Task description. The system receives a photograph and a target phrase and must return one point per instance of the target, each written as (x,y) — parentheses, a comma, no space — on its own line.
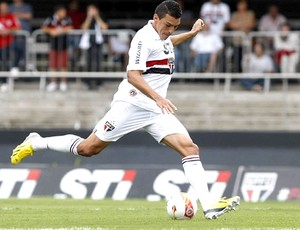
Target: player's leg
(168,130)
(192,165)
(109,129)
(195,174)
(66,143)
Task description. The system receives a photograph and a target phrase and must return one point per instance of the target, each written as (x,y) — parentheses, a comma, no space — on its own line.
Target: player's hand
(166,106)
(198,25)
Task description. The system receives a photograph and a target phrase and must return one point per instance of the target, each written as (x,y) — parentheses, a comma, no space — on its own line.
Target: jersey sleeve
(138,53)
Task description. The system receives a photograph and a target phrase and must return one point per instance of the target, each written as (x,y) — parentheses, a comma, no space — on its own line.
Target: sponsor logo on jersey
(138,52)
(109,126)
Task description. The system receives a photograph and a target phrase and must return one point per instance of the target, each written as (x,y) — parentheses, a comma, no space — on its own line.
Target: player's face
(165,26)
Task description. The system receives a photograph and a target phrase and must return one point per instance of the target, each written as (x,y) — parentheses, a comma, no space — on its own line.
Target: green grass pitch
(138,214)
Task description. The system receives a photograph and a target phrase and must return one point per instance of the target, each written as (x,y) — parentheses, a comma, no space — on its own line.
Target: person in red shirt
(57,26)
(77,16)
(8,24)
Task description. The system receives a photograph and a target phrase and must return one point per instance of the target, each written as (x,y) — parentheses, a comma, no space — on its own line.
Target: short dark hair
(170,7)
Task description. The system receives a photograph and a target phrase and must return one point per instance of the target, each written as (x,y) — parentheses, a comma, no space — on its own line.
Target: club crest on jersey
(109,126)
(171,63)
(132,92)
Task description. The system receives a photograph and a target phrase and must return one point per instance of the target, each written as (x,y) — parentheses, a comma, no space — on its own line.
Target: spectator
(206,47)
(8,24)
(272,20)
(93,42)
(23,11)
(77,16)
(256,62)
(57,27)
(118,48)
(242,20)
(286,45)
(217,14)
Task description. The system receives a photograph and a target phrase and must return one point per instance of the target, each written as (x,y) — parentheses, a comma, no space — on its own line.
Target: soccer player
(140,102)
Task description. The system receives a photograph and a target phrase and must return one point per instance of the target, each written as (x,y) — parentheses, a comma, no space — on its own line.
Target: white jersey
(206,42)
(254,64)
(216,15)
(155,58)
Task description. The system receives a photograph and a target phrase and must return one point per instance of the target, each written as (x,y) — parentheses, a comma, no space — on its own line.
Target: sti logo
(172,180)
(258,186)
(78,183)
(11,178)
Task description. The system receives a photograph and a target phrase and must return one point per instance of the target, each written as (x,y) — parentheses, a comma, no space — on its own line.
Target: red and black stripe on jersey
(157,69)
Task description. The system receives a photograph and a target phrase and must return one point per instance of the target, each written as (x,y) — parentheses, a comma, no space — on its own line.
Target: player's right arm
(139,52)
(135,78)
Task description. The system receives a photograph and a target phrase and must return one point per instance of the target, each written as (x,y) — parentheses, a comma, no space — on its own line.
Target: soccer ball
(181,207)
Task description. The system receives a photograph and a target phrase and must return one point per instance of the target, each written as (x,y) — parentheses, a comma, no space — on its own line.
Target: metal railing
(36,59)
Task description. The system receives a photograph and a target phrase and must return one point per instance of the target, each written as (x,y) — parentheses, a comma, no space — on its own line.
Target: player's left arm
(179,38)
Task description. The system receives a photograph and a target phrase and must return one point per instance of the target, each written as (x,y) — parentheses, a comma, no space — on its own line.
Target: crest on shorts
(132,92)
(109,126)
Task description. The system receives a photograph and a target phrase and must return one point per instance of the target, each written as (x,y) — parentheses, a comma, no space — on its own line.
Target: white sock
(66,143)
(195,174)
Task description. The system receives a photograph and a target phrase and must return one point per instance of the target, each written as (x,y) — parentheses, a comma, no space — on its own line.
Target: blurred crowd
(274,49)
(212,50)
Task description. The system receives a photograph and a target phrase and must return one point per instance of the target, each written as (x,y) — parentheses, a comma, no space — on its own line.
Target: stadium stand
(223,105)
(200,107)
(141,10)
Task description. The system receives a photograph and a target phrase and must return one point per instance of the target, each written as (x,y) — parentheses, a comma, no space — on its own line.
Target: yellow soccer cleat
(24,149)
(224,205)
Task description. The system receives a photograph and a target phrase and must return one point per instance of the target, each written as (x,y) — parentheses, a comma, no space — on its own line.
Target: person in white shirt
(256,62)
(286,44)
(217,14)
(205,56)
(141,102)
(272,20)
(93,43)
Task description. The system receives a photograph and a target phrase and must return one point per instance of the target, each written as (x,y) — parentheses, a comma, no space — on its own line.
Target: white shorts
(124,118)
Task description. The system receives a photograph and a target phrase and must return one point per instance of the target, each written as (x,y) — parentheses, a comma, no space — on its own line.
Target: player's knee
(88,151)
(191,149)
(195,149)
